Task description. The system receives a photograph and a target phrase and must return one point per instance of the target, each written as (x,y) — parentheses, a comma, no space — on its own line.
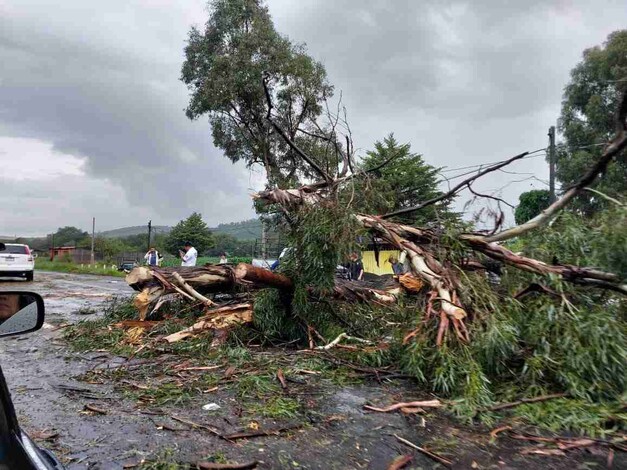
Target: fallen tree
(420,245)
(442,323)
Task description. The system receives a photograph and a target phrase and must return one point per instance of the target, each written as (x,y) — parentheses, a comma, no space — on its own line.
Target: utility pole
(93,236)
(149,233)
(264,242)
(52,251)
(552,164)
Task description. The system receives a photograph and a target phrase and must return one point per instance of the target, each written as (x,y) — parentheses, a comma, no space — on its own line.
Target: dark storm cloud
(113,97)
(464,82)
(440,56)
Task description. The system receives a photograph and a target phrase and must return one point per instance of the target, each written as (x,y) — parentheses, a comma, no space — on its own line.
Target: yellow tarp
(370,264)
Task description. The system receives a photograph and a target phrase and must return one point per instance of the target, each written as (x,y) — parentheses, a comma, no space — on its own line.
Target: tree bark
(153,283)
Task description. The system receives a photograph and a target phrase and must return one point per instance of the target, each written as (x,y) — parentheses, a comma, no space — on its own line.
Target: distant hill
(244,230)
(137,230)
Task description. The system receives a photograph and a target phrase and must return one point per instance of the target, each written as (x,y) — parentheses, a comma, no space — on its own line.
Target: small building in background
(71,253)
(369,257)
(60,252)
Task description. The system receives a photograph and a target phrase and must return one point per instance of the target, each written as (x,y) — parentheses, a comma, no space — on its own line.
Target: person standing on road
(189,255)
(152,257)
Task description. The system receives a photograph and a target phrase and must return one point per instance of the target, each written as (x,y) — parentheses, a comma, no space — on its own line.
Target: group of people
(188,255)
(356,267)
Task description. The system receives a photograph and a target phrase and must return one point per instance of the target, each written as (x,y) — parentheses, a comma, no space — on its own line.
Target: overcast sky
(91,106)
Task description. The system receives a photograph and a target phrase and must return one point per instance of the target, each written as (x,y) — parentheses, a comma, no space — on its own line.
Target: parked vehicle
(127,265)
(20,312)
(16,260)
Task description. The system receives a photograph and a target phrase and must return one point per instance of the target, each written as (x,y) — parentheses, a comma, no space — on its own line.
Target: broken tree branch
(340,337)
(191,291)
(411,404)
(455,189)
(614,147)
(505,406)
(287,139)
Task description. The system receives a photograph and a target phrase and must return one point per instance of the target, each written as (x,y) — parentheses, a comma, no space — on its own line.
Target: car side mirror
(20,312)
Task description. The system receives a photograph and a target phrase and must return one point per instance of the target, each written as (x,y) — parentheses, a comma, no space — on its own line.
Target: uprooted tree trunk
(194,282)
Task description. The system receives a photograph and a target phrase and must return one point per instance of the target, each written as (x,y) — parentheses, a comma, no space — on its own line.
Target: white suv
(16,260)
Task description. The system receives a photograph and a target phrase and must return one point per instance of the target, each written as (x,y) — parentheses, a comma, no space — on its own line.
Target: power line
(533,154)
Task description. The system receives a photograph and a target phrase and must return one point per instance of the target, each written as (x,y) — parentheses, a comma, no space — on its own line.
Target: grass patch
(256,386)
(165,460)
(276,407)
(70,267)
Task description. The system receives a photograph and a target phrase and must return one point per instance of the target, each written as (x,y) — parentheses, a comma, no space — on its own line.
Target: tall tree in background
(225,69)
(194,230)
(587,119)
(69,236)
(531,203)
(404,182)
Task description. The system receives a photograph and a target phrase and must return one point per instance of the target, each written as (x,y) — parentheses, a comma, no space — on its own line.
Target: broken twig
(259,433)
(400,462)
(213,431)
(444,461)
(409,405)
(226,466)
(522,401)
(95,409)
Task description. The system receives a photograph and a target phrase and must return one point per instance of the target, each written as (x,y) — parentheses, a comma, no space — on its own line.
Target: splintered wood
(218,320)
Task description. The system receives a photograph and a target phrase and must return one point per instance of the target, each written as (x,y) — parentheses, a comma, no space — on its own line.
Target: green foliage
(272,317)
(225,243)
(404,182)
(192,229)
(225,68)
(321,237)
(531,203)
(107,247)
(88,335)
(608,234)
(574,415)
(68,236)
(139,242)
(164,460)
(599,241)
(244,230)
(588,109)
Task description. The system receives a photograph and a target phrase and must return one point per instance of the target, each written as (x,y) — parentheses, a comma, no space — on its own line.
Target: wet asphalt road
(42,374)
(38,365)
(64,294)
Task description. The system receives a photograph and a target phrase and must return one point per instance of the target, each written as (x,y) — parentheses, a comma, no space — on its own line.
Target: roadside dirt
(52,386)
